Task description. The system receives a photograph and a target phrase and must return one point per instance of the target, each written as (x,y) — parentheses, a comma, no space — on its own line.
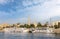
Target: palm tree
(39,25)
(32,26)
(26,26)
(46,24)
(18,25)
(21,26)
(13,25)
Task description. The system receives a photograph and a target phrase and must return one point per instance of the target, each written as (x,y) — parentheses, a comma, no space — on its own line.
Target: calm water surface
(29,36)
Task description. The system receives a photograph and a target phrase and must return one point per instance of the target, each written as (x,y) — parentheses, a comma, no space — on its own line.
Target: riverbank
(19,29)
(57,31)
(1,30)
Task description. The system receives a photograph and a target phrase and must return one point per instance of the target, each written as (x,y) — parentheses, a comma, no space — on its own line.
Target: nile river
(29,36)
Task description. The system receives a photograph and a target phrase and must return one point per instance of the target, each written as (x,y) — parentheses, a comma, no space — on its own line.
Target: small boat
(29,31)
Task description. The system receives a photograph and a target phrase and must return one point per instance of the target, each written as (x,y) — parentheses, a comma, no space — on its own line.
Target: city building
(56,23)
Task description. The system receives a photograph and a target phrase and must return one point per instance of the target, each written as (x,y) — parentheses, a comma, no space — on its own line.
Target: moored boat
(15,31)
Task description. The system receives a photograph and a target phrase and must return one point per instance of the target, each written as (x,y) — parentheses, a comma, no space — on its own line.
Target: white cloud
(47,10)
(26,3)
(3,2)
(53,8)
(32,2)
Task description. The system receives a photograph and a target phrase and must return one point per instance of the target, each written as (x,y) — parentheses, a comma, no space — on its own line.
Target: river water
(29,36)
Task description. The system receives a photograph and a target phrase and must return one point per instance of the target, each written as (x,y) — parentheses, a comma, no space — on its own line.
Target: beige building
(55,23)
(4,25)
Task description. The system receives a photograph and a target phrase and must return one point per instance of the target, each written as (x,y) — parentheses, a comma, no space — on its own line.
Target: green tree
(46,24)
(39,25)
(32,26)
(18,23)
(21,26)
(26,26)
(56,26)
(8,26)
(13,25)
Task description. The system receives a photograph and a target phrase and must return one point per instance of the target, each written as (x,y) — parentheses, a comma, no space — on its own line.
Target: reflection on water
(29,36)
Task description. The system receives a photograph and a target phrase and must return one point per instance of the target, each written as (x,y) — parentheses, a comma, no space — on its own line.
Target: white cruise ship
(15,30)
(43,30)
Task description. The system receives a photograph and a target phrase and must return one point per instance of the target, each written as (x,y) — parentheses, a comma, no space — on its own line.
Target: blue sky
(13,11)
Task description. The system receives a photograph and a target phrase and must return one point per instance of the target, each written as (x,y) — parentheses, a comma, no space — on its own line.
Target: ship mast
(29,20)
(50,21)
